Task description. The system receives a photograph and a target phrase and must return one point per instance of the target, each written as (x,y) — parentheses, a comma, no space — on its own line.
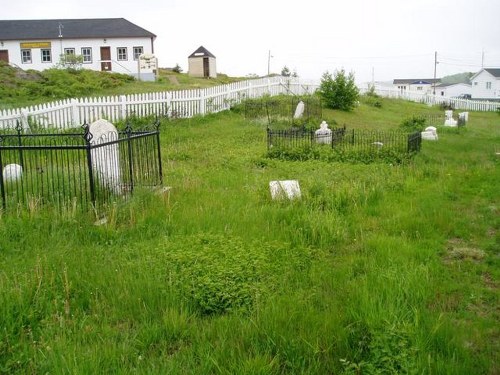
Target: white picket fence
(429,99)
(174,104)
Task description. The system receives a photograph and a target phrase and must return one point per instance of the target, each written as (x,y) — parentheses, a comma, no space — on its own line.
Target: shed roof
(71,29)
(495,72)
(201,52)
(417,81)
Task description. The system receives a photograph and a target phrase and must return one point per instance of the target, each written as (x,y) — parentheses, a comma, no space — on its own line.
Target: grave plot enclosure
(77,169)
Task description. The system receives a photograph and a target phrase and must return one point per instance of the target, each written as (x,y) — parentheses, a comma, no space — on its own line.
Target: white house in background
(450,90)
(486,84)
(425,86)
(106,44)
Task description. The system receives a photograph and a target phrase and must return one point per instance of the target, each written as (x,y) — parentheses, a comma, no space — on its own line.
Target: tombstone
(299,111)
(429,134)
(285,189)
(463,117)
(12,172)
(105,159)
(378,144)
(323,134)
(449,121)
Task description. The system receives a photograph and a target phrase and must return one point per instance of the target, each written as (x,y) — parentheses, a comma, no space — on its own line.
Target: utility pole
(435,65)
(482,58)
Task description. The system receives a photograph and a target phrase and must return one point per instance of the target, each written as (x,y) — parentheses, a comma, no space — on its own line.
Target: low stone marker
(299,111)
(285,189)
(12,172)
(378,144)
(430,134)
(449,121)
(106,159)
(323,134)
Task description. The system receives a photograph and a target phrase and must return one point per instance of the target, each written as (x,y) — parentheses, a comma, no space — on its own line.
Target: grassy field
(379,268)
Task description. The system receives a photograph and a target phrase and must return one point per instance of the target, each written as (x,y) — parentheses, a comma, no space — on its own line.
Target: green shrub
(339,91)
(413,123)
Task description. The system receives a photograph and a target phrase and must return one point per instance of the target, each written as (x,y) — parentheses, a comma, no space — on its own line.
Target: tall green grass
(378,268)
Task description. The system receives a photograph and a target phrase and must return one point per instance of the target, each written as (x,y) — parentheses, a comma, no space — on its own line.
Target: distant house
(107,44)
(421,85)
(202,64)
(450,90)
(486,84)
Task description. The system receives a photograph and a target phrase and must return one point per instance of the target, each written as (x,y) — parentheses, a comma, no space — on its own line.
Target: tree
(285,72)
(177,69)
(70,61)
(339,91)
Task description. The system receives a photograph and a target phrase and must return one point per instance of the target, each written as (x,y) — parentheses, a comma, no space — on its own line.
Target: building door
(206,67)
(4,55)
(106,59)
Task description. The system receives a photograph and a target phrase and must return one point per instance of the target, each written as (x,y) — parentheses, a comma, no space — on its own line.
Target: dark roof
(417,81)
(72,28)
(494,72)
(201,52)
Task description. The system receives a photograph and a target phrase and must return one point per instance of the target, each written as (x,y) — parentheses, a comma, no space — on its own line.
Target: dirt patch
(459,250)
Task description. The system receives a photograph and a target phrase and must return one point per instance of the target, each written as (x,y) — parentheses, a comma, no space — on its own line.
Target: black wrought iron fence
(363,141)
(76,169)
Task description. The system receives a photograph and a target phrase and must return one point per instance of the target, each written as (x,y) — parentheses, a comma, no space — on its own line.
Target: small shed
(202,64)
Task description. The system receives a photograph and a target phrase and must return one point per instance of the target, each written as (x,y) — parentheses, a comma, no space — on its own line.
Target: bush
(339,91)
(414,123)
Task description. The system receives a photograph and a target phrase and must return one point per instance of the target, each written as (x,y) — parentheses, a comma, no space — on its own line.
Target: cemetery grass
(379,268)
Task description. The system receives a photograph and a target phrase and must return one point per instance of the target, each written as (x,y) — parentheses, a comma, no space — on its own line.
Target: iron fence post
(2,186)
(19,130)
(160,171)
(128,132)
(87,136)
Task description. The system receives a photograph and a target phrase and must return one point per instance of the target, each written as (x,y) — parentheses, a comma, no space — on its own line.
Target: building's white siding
(454,90)
(196,67)
(420,87)
(126,63)
(485,86)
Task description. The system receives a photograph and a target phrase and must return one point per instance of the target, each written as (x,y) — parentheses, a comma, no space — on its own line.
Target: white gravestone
(449,121)
(106,159)
(323,134)
(430,134)
(378,144)
(12,172)
(464,117)
(299,111)
(285,189)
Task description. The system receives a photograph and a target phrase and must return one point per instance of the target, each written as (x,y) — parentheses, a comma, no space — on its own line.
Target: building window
(488,85)
(475,83)
(46,55)
(26,56)
(137,52)
(122,53)
(87,55)
(419,88)
(69,51)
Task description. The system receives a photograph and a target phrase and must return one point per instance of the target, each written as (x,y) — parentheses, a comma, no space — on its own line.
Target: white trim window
(26,56)
(121,53)
(488,85)
(138,51)
(46,55)
(69,51)
(87,55)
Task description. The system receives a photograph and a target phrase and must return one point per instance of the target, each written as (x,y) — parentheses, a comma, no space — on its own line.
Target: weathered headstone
(323,134)
(299,111)
(106,158)
(430,134)
(12,172)
(284,189)
(378,144)
(449,121)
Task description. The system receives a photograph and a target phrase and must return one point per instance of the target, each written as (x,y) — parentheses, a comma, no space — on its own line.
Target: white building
(110,44)
(451,90)
(424,86)
(486,84)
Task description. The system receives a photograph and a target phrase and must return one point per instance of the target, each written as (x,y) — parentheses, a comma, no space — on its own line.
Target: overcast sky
(387,38)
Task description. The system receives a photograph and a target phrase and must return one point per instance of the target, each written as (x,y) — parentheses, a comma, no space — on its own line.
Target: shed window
(122,53)
(488,85)
(26,56)
(138,51)
(46,55)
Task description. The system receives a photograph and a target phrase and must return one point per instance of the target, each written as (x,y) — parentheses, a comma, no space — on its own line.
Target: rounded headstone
(12,172)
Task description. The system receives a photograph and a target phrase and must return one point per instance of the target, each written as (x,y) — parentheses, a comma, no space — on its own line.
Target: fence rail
(71,113)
